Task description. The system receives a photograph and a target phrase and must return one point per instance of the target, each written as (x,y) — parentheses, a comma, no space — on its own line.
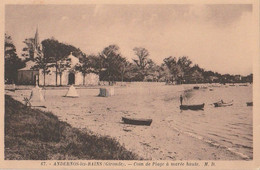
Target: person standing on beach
(181,99)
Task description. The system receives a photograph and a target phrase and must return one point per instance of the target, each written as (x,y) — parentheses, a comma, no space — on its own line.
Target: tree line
(111,65)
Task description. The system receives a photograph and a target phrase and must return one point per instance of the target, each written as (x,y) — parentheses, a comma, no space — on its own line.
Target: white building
(69,76)
(27,75)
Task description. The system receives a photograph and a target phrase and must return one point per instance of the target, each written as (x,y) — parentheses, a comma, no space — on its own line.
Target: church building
(28,75)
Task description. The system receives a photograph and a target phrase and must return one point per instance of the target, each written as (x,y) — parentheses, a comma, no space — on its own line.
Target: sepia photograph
(145,85)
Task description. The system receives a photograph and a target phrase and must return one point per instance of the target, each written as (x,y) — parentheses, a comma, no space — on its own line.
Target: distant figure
(181,99)
(37,80)
(13,84)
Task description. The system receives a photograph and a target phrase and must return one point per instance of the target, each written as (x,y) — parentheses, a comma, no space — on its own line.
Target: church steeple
(36,40)
(36,43)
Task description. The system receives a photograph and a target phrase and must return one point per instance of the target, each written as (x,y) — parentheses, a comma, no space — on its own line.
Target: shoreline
(32,134)
(117,85)
(102,116)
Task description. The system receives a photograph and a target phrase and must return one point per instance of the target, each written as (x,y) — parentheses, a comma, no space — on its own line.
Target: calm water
(227,127)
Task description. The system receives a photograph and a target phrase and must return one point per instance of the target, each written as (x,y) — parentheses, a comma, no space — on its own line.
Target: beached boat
(243,85)
(196,87)
(249,103)
(145,122)
(223,104)
(192,107)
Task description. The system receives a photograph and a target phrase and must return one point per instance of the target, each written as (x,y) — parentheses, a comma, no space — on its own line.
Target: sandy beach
(173,134)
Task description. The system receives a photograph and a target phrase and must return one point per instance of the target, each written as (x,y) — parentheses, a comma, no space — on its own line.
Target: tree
(152,71)
(142,55)
(175,69)
(123,67)
(41,62)
(142,61)
(29,49)
(12,61)
(62,65)
(87,66)
(195,74)
(56,51)
(97,63)
(249,78)
(164,73)
(117,67)
(113,63)
(208,76)
(185,64)
(130,72)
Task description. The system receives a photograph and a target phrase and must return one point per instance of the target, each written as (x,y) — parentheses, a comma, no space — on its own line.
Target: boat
(216,85)
(196,87)
(132,121)
(223,104)
(192,107)
(249,103)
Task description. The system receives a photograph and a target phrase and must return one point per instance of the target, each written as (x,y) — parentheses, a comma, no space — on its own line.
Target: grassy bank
(31,134)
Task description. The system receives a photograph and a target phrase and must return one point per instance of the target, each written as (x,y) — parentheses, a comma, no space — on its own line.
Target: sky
(216,37)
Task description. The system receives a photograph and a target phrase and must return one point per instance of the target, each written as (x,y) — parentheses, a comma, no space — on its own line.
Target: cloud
(227,14)
(208,34)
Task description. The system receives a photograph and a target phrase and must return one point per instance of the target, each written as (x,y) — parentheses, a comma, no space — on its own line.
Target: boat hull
(196,87)
(192,107)
(143,122)
(219,104)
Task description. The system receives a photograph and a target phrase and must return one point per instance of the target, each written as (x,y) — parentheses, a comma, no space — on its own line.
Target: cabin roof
(28,65)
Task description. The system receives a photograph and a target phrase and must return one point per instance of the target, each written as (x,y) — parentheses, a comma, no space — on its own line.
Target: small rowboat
(216,85)
(249,103)
(196,87)
(243,85)
(144,122)
(192,107)
(223,104)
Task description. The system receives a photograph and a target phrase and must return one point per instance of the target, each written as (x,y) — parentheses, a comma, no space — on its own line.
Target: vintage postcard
(130,84)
